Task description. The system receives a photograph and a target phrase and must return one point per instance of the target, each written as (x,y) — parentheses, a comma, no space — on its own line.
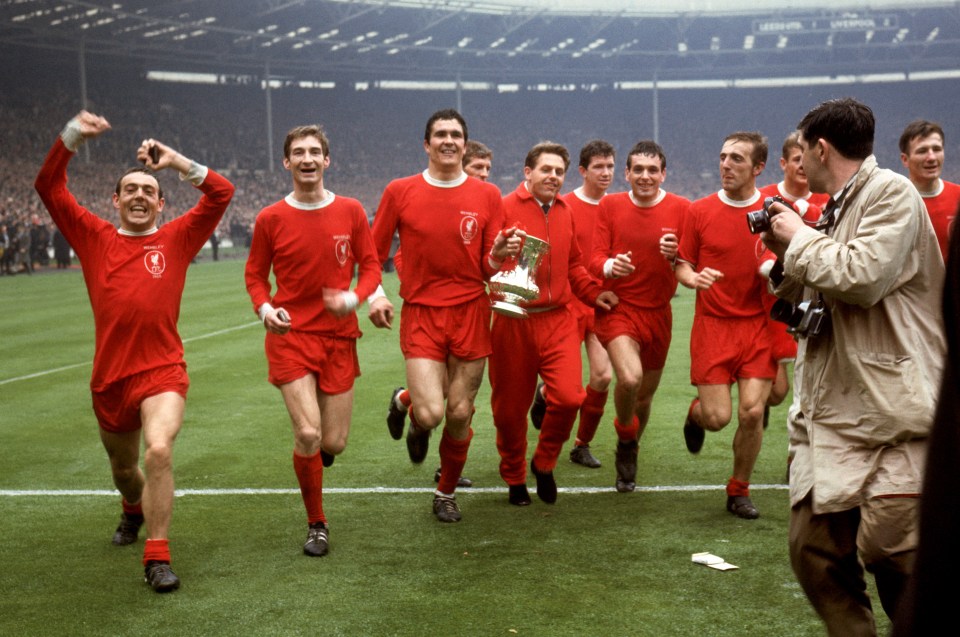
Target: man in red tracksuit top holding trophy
(546,342)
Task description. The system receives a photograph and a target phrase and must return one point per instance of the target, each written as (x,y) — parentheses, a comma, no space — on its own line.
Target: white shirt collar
(440,183)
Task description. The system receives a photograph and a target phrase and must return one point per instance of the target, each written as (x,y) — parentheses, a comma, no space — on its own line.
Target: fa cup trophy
(517,286)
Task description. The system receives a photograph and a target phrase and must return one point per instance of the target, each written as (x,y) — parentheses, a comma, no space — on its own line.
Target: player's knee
(750,416)
(429,416)
(714,420)
(158,455)
(123,473)
(334,445)
(601,380)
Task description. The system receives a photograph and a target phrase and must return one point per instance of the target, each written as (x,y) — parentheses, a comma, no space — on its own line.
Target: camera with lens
(759,220)
(804,319)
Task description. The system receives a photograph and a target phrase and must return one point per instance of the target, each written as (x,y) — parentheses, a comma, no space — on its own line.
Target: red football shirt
(623,226)
(135,282)
(715,235)
(312,247)
(447,230)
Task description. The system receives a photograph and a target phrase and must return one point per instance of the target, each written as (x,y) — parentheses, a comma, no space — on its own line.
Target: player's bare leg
(591,411)
(753,393)
(464,383)
(123,451)
(710,411)
(162,417)
(320,424)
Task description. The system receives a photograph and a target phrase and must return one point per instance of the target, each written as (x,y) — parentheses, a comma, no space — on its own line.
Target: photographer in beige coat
(871,347)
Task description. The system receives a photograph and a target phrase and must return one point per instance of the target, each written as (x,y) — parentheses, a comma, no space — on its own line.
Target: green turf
(596,563)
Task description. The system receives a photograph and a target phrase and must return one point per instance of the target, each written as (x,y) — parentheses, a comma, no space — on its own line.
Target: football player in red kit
(546,341)
(313,240)
(452,237)
(728,342)
(596,169)
(921,151)
(135,277)
(634,249)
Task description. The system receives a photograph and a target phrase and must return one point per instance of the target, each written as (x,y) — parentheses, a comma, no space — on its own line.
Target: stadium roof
(545,40)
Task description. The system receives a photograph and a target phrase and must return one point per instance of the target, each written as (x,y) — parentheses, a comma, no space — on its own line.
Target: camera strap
(830,213)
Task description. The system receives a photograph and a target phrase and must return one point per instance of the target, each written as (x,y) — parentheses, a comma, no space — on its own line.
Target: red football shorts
(333,361)
(783,345)
(118,406)
(435,333)
(723,350)
(585,318)
(651,329)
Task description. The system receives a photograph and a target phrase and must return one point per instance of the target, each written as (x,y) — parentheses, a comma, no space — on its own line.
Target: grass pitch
(596,563)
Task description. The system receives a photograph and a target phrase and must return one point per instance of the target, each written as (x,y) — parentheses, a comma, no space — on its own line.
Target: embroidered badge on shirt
(155,263)
(468,226)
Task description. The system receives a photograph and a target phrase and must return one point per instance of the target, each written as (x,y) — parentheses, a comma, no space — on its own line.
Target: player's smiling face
(924,160)
(138,202)
(645,176)
(306,161)
(445,146)
(546,178)
(599,172)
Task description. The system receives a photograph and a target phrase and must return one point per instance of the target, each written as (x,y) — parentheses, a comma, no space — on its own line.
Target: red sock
(591,412)
(156,551)
(453,455)
(309,470)
(628,433)
(737,487)
(404,398)
(131,509)
(693,403)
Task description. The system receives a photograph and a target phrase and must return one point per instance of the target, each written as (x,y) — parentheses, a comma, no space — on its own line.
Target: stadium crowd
(371,134)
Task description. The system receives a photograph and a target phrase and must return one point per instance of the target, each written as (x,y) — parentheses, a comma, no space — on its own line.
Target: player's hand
(339,302)
(508,243)
(607,300)
(277,321)
(706,278)
(156,156)
(381,312)
(91,125)
(622,265)
(669,244)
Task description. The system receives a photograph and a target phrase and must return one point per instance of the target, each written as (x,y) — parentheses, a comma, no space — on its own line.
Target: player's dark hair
(447,113)
(846,123)
(649,148)
(310,130)
(759,142)
(919,128)
(595,148)
(550,148)
(139,169)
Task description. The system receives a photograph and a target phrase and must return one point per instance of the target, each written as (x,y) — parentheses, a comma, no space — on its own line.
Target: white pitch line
(55,370)
(18,493)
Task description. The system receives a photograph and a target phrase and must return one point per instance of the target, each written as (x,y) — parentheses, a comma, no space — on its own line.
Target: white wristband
(608,268)
(195,175)
(378,293)
(72,136)
(265,309)
(350,300)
